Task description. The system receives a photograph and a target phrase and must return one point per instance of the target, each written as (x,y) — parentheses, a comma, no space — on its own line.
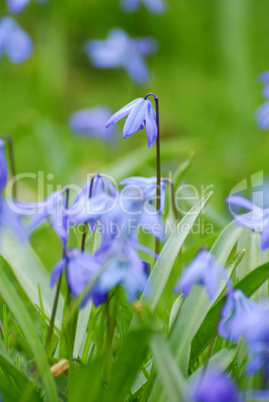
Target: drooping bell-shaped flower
(235,309)
(205,270)
(119,50)
(254,328)
(214,386)
(148,186)
(14,41)
(257,219)
(16,6)
(80,268)
(141,114)
(92,123)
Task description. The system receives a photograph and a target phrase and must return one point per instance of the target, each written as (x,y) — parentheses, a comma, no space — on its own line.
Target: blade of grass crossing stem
(164,264)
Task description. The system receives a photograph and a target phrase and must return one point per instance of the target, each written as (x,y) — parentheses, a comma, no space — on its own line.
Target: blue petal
(122,112)
(57,270)
(135,119)
(241,202)
(151,125)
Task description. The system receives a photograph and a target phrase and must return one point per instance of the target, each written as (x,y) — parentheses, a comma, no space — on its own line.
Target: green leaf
(30,272)
(226,241)
(220,361)
(14,381)
(81,329)
(163,267)
(21,315)
(129,359)
(248,285)
(172,380)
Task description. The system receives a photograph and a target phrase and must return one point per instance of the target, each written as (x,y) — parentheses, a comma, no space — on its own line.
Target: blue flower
(141,113)
(254,327)
(96,197)
(262,115)
(53,209)
(14,41)
(81,268)
(16,6)
(156,6)
(257,220)
(119,50)
(204,269)
(264,79)
(123,266)
(92,122)
(148,186)
(235,310)
(214,386)
(9,215)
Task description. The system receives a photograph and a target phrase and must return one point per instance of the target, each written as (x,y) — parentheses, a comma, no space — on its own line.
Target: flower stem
(111,325)
(158,165)
(158,171)
(56,299)
(12,162)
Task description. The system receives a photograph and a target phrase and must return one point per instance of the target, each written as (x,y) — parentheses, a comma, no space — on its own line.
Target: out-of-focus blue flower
(148,186)
(235,310)
(53,208)
(124,266)
(215,386)
(155,6)
(16,6)
(254,327)
(14,41)
(119,50)
(204,269)
(9,218)
(92,122)
(257,220)
(80,270)
(262,115)
(264,79)
(141,113)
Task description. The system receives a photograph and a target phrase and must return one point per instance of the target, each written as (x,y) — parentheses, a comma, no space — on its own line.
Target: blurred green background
(205,74)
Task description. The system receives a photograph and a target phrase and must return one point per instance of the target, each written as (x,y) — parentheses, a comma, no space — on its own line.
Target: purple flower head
(148,186)
(204,269)
(257,220)
(235,310)
(96,197)
(215,386)
(81,268)
(3,166)
(53,208)
(140,113)
(124,266)
(92,122)
(155,6)
(119,50)
(254,327)
(14,41)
